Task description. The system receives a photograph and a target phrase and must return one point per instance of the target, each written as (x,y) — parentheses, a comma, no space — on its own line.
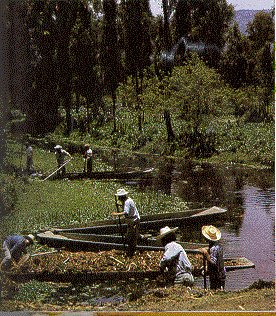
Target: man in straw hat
(174,261)
(87,158)
(14,247)
(60,155)
(132,218)
(214,257)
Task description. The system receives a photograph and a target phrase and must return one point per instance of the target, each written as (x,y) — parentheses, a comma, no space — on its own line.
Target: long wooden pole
(120,225)
(49,170)
(56,170)
(205,273)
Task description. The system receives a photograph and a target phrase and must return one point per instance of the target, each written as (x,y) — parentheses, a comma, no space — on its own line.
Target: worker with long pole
(132,218)
(120,225)
(60,156)
(62,166)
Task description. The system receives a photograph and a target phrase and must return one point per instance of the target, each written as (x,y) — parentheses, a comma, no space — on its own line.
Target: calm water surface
(247,194)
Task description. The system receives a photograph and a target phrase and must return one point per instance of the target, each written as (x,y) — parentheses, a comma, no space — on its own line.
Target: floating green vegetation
(41,205)
(33,291)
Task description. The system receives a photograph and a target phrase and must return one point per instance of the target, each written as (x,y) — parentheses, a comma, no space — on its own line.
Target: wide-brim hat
(31,238)
(121,192)
(211,233)
(57,147)
(165,231)
(86,145)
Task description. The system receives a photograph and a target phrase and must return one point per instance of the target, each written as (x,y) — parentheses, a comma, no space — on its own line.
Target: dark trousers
(29,164)
(61,171)
(132,237)
(216,283)
(89,165)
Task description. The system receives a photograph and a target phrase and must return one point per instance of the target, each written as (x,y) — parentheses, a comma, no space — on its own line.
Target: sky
(238,5)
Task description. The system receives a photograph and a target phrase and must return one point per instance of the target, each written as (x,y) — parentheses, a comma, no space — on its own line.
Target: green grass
(40,205)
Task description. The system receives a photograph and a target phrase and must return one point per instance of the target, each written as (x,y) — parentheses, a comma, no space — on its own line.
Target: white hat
(211,233)
(57,147)
(31,238)
(121,192)
(165,231)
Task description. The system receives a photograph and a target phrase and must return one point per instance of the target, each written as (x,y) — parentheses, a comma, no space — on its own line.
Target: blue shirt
(217,269)
(16,245)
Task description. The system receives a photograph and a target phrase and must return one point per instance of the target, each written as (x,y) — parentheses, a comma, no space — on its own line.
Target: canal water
(247,193)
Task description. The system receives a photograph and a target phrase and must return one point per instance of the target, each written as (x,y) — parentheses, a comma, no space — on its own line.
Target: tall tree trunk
(114,110)
(167,33)
(67,102)
(170,133)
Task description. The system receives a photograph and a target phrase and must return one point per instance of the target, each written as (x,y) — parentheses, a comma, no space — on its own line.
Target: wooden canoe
(148,222)
(96,237)
(93,243)
(106,175)
(89,277)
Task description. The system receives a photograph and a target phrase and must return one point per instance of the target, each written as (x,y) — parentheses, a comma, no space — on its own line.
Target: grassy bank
(49,297)
(233,141)
(42,204)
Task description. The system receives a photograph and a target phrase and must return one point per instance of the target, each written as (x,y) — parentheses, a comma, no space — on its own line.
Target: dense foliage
(86,64)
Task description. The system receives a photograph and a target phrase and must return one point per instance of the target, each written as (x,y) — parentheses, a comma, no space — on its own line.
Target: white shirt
(88,153)
(130,210)
(29,151)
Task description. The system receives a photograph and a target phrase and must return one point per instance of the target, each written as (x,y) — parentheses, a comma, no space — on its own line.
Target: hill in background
(243,17)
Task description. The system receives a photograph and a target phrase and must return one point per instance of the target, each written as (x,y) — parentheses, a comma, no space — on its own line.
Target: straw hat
(121,192)
(31,238)
(211,233)
(57,147)
(86,145)
(165,231)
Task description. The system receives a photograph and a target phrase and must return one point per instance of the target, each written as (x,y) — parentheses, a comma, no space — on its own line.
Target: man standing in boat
(60,155)
(214,256)
(132,218)
(87,158)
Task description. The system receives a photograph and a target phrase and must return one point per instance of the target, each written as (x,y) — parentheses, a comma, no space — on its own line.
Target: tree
(17,55)
(166,27)
(66,13)
(266,76)
(84,49)
(43,99)
(110,62)
(210,21)
(182,20)
(192,92)
(137,45)
(261,30)
(235,60)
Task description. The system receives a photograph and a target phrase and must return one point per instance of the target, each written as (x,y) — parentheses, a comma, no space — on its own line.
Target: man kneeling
(175,263)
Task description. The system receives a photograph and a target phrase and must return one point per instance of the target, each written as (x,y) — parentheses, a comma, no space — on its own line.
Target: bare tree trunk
(114,111)
(167,33)
(170,133)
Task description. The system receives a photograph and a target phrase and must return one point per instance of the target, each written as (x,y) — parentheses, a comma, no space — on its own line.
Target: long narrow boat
(106,175)
(98,235)
(89,277)
(92,242)
(186,218)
